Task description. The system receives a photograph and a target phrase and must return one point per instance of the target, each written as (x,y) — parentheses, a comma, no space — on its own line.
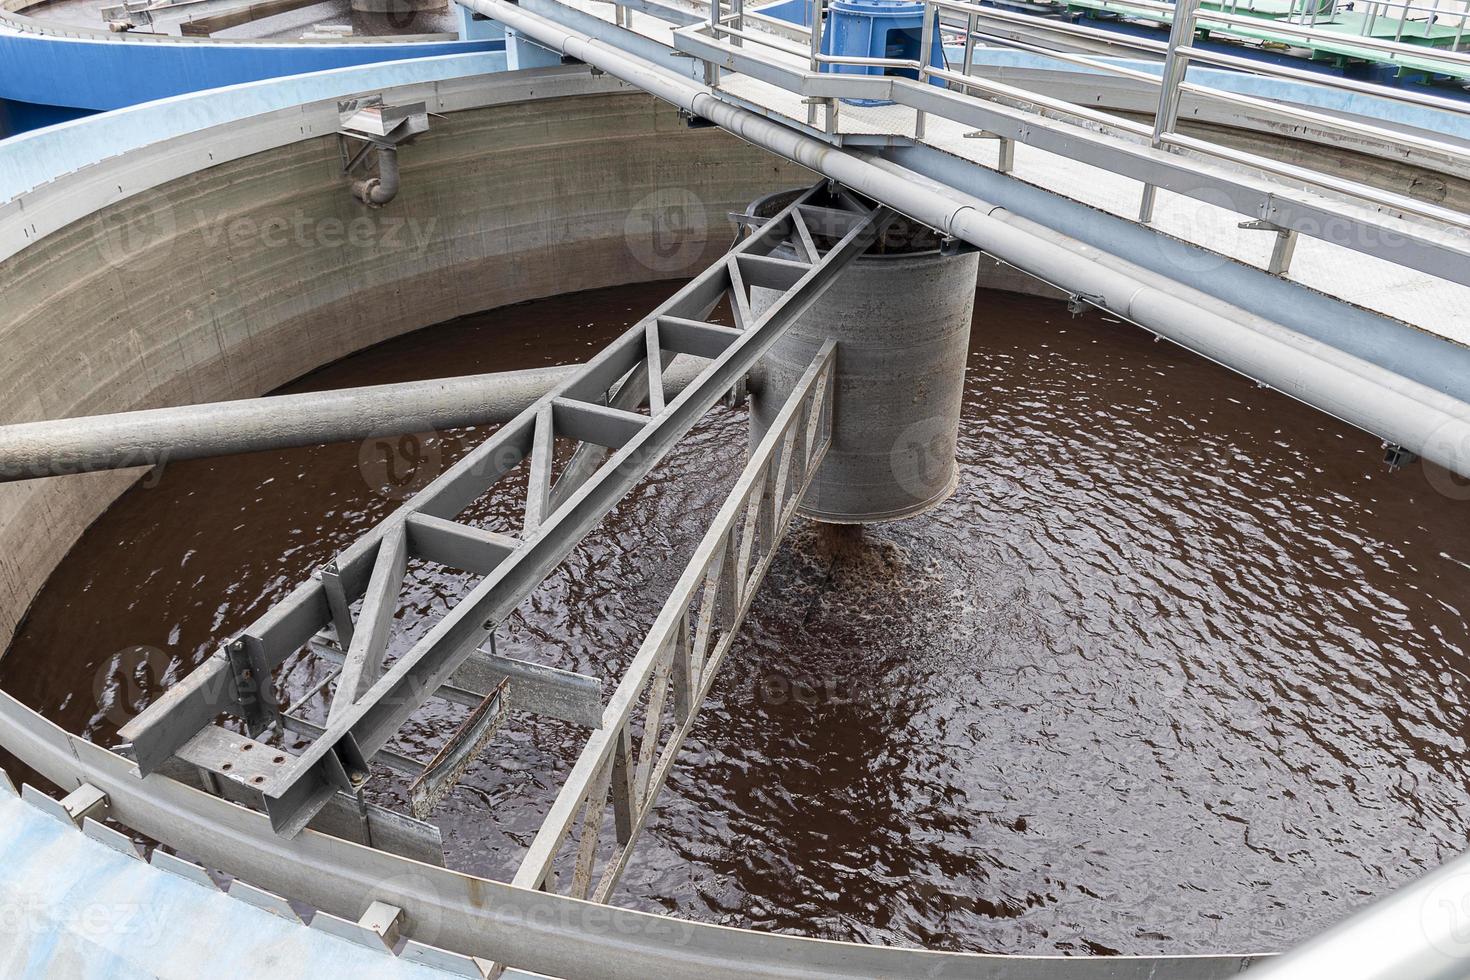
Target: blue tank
(878,29)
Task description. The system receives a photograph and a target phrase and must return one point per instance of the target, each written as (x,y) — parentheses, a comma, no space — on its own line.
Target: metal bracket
(252,683)
(366,122)
(1007,161)
(1077,303)
(693,121)
(1284,248)
(738,393)
(1396,457)
(747,220)
(951,246)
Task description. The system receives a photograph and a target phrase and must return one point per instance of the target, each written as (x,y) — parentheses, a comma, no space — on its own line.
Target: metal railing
(1441,230)
(1405,17)
(1305,32)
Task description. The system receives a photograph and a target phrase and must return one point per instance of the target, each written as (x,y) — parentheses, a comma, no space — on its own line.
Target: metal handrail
(1446,150)
(1412,96)
(1440,245)
(1180,53)
(1217,19)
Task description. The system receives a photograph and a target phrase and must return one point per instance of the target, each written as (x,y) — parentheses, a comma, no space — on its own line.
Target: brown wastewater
(1180,667)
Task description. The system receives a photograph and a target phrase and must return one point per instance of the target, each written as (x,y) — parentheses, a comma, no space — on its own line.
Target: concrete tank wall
(238,278)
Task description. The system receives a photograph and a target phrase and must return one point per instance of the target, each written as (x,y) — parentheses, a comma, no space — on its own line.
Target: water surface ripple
(1178,668)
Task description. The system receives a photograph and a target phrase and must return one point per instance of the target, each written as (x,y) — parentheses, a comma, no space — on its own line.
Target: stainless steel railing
(967,24)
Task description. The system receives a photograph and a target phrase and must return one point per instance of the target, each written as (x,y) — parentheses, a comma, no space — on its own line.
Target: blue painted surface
(109,73)
(78,908)
(866,29)
(34,158)
(791,11)
(477,27)
(17,117)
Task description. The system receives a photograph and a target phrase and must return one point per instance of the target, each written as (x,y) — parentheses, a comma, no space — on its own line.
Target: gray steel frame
(677,663)
(594,407)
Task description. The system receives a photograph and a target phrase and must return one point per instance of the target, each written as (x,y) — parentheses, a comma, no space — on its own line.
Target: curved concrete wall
(235,279)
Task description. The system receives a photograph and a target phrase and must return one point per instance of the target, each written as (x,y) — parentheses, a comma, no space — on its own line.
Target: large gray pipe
(58,447)
(1420,932)
(1390,406)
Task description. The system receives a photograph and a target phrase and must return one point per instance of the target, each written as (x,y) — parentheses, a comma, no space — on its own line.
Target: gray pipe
(378,191)
(30,450)
(1418,932)
(1390,406)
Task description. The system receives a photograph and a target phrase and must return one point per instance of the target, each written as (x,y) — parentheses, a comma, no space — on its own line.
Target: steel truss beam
(597,408)
(678,661)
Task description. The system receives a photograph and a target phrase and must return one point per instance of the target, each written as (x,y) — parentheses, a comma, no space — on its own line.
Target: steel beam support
(751,525)
(370,723)
(364,661)
(338,760)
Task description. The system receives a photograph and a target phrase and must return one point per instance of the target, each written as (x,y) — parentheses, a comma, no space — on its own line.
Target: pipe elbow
(382,189)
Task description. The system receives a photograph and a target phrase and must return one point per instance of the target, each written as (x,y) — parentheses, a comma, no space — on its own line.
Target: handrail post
(1176,64)
(712,70)
(970,25)
(926,52)
(816,65)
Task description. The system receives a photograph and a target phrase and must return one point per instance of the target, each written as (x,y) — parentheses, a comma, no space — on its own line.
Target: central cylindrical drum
(901,317)
(399,13)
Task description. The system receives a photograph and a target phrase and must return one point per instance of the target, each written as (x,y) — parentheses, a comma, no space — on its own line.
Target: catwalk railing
(1272,194)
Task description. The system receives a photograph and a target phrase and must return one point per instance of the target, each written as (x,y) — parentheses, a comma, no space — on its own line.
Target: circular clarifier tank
(900,315)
